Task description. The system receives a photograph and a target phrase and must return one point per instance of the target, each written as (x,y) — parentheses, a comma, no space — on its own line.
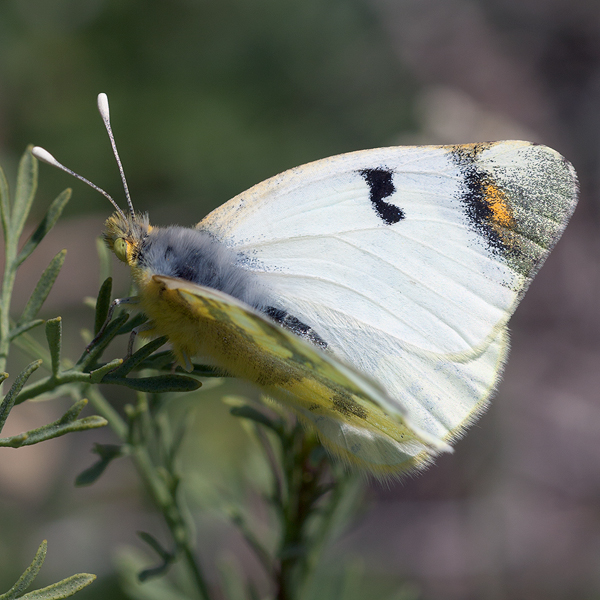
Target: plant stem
(156,482)
(302,483)
(166,501)
(194,568)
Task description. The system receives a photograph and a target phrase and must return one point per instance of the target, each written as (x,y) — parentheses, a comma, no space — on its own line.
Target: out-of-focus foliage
(207,98)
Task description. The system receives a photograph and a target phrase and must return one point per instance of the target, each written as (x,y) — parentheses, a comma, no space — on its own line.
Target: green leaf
(66,424)
(50,431)
(47,223)
(129,563)
(54,337)
(160,360)
(97,346)
(73,412)
(103,304)
(155,545)
(15,332)
(9,400)
(107,453)
(97,374)
(42,289)
(156,385)
(164,360)
(26,186)
(63,589)
(29,575)
(166,556)
(137,357)
(5,207)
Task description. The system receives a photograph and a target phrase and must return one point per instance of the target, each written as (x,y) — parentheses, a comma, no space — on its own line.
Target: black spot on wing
(473,197)
(296,326)
(381,186)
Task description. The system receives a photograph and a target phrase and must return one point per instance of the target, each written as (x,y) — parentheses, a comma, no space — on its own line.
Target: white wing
(408,261)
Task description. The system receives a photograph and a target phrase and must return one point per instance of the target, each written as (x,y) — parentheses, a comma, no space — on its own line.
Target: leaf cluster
(62,589)
(310,497)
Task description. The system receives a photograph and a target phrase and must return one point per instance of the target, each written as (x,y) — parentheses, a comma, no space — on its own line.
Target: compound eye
(120,248)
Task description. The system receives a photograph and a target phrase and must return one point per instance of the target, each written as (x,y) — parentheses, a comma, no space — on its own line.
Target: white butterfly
(370,291)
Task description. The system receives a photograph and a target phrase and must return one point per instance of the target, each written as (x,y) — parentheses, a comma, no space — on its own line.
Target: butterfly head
(125,234)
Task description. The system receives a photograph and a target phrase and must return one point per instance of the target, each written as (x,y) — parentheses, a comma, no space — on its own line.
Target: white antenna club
(105,114)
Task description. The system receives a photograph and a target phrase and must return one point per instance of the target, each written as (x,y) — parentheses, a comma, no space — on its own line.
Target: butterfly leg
(114,304)
(134,333)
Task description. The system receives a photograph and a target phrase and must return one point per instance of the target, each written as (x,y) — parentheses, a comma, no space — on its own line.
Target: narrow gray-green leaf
(164,360)
(97,346)
(17,331)
(155,545)
(63,589)
(9,399)
(42,289)
(26,186)
(103,304)
(157,385)
(107,453)
(167,558)
(5,207)
(97,374)
(74,411)
(51,431)
(54,337)
(29,575)
(47,223)
(140,355)
(160,360)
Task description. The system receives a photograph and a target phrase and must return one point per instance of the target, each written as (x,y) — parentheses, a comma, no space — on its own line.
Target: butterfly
(368,292)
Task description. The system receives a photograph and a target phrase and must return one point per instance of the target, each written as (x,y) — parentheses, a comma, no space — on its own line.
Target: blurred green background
(210,97)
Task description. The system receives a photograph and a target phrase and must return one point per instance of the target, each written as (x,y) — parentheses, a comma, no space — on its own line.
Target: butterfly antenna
(105,114)
(46,157)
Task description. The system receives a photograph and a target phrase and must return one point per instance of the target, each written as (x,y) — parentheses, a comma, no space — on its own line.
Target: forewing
(408,261)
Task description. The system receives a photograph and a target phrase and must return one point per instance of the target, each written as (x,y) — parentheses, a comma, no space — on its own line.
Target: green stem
(166,502)
(52,382)
(300,497)
(163,495)
(193,566)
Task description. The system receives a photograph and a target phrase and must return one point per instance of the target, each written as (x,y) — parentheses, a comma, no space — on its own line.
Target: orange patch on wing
(501,218)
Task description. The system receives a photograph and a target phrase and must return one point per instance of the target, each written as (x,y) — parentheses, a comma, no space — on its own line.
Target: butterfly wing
(407,262)
(344,405)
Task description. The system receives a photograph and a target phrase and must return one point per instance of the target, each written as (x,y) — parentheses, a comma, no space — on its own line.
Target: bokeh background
(209,97)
